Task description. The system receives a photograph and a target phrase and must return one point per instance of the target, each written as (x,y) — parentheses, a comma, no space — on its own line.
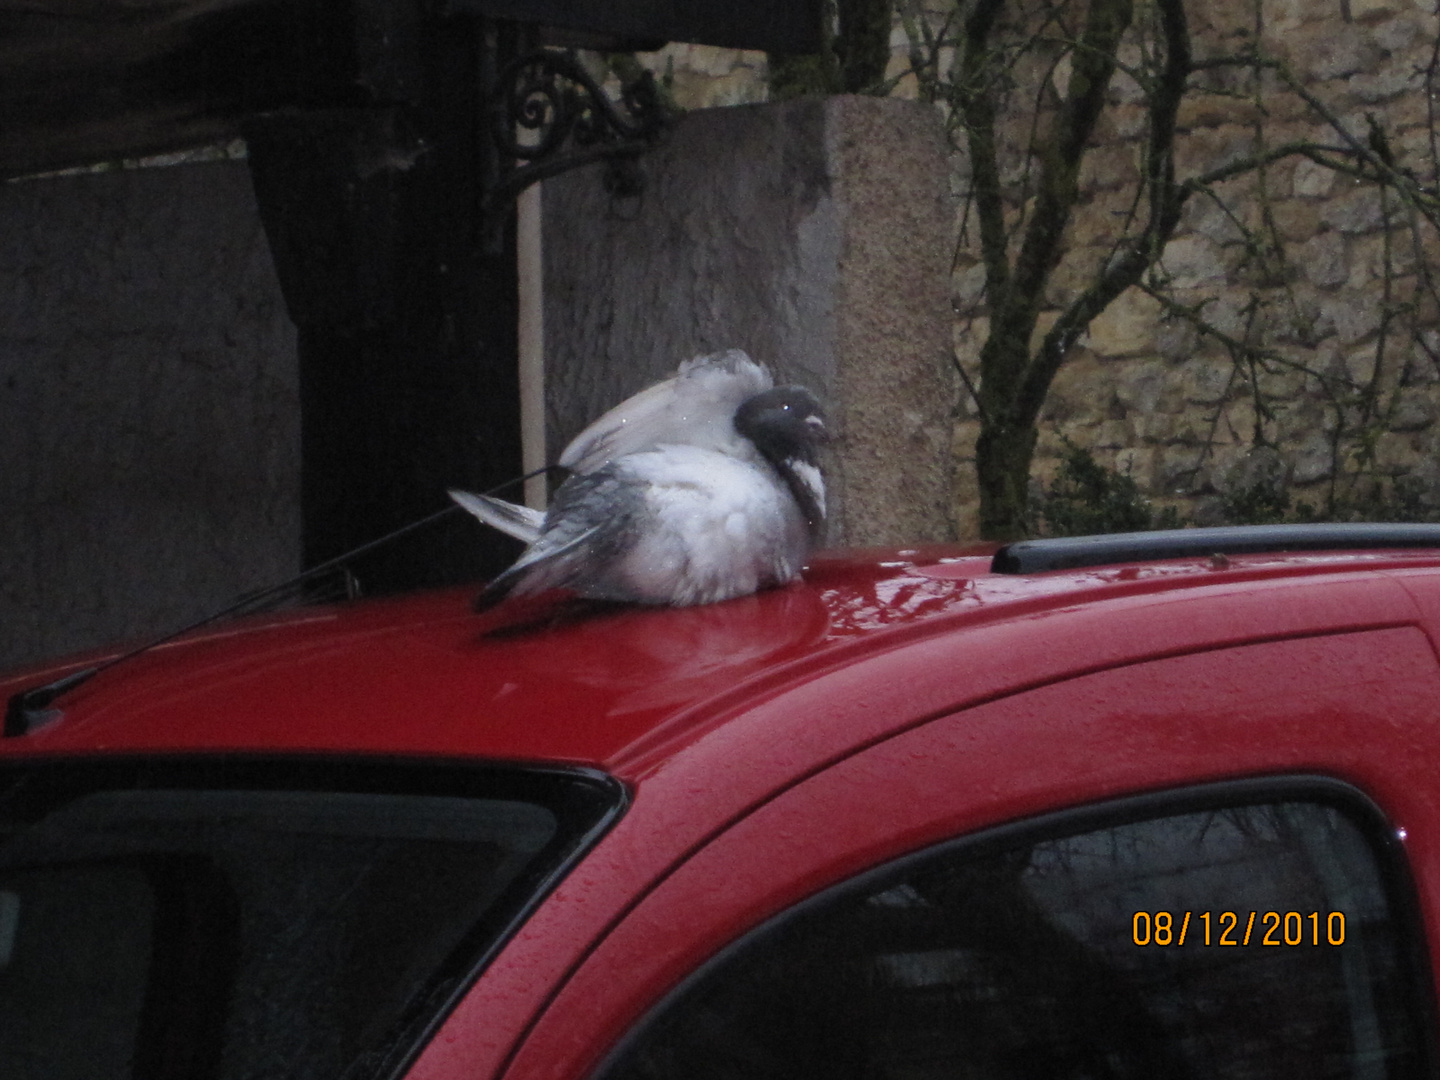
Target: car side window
(1206,937)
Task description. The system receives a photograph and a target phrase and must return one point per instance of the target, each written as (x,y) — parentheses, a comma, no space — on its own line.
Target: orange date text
(1221,928)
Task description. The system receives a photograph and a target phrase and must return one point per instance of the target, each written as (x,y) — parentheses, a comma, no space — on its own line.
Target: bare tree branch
(1167,199)
(978,108)
(1061,155)
(1023,222)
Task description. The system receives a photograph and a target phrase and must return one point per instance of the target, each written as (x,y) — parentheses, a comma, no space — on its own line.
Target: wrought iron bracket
(550,115)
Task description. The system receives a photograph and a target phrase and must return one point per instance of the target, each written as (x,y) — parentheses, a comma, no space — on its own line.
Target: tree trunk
(1002,459)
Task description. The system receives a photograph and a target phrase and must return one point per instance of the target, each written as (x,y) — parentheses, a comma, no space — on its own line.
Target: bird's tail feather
(535,571)
(510,518)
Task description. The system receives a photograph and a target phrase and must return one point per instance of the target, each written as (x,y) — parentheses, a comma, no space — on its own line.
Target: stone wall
(1178,410)
(1345,397)
(148,390)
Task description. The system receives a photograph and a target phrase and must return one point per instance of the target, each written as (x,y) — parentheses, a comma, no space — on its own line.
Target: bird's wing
(694,407)
(510,518)
(540,568)
(589,521)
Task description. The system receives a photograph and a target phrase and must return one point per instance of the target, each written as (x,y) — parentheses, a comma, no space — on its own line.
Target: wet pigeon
(700,488)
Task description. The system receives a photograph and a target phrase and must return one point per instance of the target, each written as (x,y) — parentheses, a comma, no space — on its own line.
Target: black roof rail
(1072,552)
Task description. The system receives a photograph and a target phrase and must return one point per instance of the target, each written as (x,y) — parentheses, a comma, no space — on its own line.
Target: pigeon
(703,487)
(695,407)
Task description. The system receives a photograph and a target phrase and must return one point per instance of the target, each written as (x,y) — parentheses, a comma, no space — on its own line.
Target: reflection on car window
(1061,956)
(154,925)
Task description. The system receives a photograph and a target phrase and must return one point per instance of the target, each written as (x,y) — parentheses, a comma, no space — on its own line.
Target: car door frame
(1279,708)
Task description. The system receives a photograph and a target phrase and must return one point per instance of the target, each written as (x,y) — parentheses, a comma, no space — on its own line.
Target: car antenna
(30,709)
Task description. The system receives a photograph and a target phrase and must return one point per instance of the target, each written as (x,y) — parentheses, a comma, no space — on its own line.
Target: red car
(1158,806)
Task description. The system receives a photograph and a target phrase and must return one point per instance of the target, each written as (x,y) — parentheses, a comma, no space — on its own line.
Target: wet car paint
(746,729)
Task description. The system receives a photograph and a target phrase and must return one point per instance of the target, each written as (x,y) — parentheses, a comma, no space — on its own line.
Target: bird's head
(787,426)
(787,422)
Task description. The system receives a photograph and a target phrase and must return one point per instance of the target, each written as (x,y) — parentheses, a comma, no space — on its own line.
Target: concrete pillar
(817,235)
(148,406)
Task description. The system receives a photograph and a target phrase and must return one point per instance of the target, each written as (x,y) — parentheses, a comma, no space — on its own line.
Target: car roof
(625,688)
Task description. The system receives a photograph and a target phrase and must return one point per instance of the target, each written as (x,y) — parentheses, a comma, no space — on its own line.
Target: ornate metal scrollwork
(551,116)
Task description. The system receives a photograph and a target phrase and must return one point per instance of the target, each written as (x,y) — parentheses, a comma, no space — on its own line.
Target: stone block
(1106,168)
(1126,327)
(1114,435)
(1177,339)
(965,497)
(1389,82)
(1205,149)
(1192,261)
(1279,383)
(1325,53)
(1284,17)
(1299,417)
(1295,219)
(1322,260)
(1145,388)
(1420,368)
(968,285)
(1081,392)
(1394,454)
(1220,459)
(1214,220)
(1313,179)
(1358,366)
(1229,310)
(1355,317)
(1396,33)
(1131,121)
(1093,223)
(1357,211)
(1201,110)
(1366,10)
(817,235)
(1125,90)
(1177,469)
(1222,17)
(1237,420)
(1312,459)
(1413,412)
(1208,380)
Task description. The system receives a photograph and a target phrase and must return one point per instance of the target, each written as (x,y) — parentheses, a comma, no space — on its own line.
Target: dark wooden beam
(83,81)
(406,313)
(87,82)
(788,26)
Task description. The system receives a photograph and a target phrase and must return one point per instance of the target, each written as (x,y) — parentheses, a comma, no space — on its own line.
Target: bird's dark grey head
(784,423)
(787,426)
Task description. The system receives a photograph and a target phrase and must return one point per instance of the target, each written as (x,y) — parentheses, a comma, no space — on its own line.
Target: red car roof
(625,689)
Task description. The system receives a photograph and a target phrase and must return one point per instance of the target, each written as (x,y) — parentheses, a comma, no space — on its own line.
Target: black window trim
(581,793)
(1394,870)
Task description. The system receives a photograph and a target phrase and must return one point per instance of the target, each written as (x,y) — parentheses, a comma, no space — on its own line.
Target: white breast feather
(721,527)
(811,477)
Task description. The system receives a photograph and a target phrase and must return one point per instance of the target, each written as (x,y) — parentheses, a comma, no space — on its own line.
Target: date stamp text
(1220,928)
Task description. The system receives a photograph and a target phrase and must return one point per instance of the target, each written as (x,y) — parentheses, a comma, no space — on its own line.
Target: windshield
(262,919)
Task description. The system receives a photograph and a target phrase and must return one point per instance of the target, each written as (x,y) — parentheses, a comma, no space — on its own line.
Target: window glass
(150,929)
(1049,952)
